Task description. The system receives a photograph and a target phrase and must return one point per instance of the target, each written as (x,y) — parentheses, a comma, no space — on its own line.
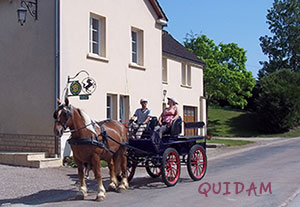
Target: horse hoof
(121,189)
(100,198)
(112,187)
(79,197)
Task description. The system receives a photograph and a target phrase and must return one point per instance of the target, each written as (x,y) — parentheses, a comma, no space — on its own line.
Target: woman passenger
(167,117)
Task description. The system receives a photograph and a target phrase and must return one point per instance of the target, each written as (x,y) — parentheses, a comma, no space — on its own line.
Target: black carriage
(164,158)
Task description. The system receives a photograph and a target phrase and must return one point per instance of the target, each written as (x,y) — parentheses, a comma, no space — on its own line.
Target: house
(122,46)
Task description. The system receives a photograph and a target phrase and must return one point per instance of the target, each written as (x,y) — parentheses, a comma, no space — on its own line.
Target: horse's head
(63,117)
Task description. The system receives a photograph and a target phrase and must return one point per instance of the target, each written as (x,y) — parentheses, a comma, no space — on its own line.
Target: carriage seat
(175,130)
(150,128)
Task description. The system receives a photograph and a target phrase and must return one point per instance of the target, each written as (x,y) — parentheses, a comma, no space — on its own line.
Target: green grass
(229,143)
(227,122)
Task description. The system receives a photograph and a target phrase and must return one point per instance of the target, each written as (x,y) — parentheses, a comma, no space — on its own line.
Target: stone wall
(28,143)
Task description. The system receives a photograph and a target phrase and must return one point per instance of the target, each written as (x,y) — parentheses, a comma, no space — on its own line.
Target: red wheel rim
(172,167)
(198,163)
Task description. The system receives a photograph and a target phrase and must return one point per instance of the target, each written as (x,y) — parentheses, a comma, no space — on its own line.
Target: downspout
(57,69)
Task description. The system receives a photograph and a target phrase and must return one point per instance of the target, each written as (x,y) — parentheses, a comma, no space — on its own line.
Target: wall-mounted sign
(89,85)
(75,88)
(83,86)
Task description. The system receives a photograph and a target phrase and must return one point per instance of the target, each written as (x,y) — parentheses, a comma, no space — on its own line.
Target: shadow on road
(45,196)
(55,195)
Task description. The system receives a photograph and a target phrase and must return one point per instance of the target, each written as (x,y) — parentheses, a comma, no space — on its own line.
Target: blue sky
(226,21)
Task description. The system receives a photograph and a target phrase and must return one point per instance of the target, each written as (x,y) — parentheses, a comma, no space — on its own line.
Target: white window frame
(164,70)
(101,35)
(109,107)
(186,75)
(139,47)
(135,50)
(112,106)
(123,108)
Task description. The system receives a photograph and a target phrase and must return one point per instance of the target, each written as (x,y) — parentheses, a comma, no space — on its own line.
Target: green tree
(225,75)
(277,105)
(283,48)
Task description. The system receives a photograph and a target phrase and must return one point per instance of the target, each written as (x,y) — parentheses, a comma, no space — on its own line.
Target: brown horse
(81,127)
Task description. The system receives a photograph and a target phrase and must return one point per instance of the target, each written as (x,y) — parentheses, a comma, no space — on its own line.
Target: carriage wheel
(170,167)
(197,162)
(152,170)
(130,170)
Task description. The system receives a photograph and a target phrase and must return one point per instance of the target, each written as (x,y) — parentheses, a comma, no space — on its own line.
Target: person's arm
(147,120)
(134,117)
(177,114)
(175,117)
(160,119)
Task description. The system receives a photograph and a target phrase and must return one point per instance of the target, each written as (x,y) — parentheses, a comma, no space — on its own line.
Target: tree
(225,75)
(283,48)
(277,105)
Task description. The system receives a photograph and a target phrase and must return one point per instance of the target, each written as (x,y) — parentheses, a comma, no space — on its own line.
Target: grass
(229,142)
(228,122)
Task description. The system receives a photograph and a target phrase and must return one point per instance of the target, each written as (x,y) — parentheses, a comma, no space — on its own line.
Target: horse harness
(68,115)
(95,142)
(86,141)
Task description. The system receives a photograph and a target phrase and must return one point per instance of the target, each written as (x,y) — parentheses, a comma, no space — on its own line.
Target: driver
(140,119)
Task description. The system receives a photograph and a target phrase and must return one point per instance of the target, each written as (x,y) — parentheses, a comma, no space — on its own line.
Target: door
(189,115)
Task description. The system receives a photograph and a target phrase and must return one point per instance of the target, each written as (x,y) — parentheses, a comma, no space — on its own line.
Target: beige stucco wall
(114,76)
(185,96)
(27,72)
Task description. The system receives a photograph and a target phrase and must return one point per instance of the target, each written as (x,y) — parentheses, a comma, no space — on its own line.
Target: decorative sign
(89,85)
(75,88)
(82,86)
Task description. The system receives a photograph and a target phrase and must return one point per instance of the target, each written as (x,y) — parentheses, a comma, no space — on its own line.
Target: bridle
(68,115)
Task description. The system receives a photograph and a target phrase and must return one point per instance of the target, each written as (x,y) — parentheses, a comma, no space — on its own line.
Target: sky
(226,21)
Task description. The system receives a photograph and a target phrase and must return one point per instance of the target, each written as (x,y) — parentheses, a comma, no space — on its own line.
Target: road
(275,165)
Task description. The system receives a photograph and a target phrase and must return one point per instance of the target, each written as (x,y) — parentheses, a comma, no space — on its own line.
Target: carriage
(94,141)
(165,158)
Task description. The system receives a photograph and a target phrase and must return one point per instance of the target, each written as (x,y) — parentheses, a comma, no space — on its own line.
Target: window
(164,70)
(124,109)
(97,35)
(137,46)
(185,74)
(111,107)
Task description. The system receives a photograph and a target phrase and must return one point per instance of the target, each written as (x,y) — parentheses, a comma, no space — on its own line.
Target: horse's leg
(96,168)
(82,188)
(113,179)
(123,165)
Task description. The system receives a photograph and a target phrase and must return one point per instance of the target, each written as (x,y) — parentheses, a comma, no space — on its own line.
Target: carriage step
(29,159)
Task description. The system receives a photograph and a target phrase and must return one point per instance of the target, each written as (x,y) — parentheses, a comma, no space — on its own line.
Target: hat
(172,99)
(143,100)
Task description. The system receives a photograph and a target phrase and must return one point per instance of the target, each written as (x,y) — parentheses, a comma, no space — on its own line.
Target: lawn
(228,122)
(229,142)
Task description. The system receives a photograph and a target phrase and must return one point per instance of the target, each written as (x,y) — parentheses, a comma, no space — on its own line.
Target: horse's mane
(87,120)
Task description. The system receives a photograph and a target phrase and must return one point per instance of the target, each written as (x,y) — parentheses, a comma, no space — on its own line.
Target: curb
(214,145)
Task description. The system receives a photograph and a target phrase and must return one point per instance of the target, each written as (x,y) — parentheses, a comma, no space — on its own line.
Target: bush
(278,102)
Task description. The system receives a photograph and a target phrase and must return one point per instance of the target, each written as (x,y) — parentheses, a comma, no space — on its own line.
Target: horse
(112,134)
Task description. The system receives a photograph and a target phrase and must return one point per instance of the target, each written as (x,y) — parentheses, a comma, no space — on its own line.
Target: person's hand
(159,123)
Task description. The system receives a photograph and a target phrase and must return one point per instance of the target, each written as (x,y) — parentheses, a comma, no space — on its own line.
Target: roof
(158,10)
(172,47)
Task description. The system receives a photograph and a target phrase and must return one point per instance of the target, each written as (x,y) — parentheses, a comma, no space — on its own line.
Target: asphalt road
(239,174)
